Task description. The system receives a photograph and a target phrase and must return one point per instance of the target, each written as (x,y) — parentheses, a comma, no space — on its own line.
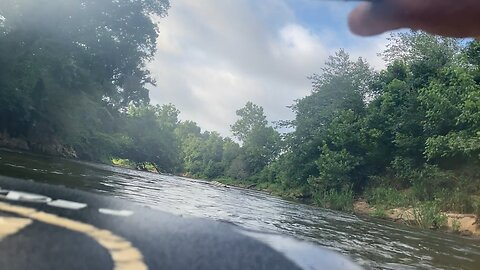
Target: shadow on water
(375,244)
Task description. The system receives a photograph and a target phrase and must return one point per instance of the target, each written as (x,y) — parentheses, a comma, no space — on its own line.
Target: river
(372,243)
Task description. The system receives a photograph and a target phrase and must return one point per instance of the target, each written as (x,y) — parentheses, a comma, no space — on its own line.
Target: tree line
(73,81)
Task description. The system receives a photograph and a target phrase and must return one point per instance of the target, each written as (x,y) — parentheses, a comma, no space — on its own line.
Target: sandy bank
(463,224)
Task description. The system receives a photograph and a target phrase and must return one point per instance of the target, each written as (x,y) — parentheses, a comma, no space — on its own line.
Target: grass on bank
(336,200)
(428,215)
(125,163)
(424,214)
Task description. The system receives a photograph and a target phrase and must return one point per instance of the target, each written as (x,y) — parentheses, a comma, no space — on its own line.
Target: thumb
(377,17)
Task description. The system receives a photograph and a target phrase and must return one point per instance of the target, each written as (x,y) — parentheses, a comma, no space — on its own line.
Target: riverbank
(294,194)
(462,224)
(45,146)
(456,223)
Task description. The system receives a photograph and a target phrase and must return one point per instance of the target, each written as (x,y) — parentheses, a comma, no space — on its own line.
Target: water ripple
(372,243)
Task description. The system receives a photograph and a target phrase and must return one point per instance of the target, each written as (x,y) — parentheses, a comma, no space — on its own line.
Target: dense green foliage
(73,82)
(69,69)
(400,137)
(412,127)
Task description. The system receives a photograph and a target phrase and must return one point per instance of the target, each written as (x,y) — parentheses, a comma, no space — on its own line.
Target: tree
(151,137)
(261,144)
(335,170)
(111,40)
(452,104)
(425,54)
(343,85)
(187,128)
(261,147)
(251,117)
(69,69)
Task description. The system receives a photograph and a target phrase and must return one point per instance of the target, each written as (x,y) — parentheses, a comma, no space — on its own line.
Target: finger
(375,18)
(452,18)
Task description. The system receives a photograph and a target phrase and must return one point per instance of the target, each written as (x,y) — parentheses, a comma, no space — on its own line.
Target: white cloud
(215,55)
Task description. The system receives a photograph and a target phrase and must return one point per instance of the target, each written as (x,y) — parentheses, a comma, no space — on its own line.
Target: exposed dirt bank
(51,147)
(463,224)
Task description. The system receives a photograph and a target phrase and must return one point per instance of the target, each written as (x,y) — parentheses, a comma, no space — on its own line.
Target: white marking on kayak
(67,204)
(26,197)
(122,213)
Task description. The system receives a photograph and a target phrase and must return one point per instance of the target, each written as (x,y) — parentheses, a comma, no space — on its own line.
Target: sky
(213,56)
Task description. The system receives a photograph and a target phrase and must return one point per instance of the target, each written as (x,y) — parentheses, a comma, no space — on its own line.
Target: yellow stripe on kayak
(124,255)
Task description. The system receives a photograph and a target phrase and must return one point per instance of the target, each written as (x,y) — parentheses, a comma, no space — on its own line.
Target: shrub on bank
(457,201)
(336,200)
(379,212)
(456,225)
(430,180)
(125,163)
(476,206)
(387,197)
(428,215)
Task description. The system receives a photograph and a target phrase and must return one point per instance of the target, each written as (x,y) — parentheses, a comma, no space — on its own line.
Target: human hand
(453,18)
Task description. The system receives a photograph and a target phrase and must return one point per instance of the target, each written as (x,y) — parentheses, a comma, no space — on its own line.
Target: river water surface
(372,243)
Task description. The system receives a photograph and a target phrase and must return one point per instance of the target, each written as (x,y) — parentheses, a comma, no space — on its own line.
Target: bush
(387,197)
(379,212)
(428,215)
(238,169)
(457,201)
(470,178)
(456,226)
(335,169)
(336,200)
(402,172)
(430,180)
(476,207)
(125,163)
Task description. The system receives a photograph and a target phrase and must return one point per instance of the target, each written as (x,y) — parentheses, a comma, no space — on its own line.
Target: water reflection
(372,243)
